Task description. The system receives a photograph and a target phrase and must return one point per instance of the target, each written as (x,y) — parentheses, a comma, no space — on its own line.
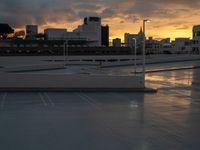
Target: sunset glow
(169,18)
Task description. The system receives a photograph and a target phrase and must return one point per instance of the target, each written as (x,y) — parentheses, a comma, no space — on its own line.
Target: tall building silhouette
(105,36)
(31,31)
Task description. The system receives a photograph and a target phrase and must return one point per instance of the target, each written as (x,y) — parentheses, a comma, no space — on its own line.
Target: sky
(169,18)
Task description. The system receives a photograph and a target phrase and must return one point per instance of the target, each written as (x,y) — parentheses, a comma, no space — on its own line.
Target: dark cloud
(21,12)
(108,13)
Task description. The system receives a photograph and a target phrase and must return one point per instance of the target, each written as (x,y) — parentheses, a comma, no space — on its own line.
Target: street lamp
(65,52)
(144,47)
(135,50)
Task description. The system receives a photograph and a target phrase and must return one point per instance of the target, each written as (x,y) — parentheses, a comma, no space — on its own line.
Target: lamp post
(144,48)
(64,47)
(65,53)
(67,49)
(135,50)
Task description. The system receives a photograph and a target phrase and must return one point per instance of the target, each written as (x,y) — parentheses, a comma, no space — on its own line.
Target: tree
(5,30)
(19,34)
(40,36)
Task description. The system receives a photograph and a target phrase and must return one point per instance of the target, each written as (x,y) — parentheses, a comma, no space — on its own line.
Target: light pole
(135,50)
(67,49)
(144,48)
(64,47)
(65,53)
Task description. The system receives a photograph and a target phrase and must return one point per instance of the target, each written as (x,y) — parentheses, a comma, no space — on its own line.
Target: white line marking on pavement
(50,100)
(42,99)
(3,100)
(82,97)
(90,100)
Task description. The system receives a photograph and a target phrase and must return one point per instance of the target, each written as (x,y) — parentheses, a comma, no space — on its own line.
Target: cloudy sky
(169,18)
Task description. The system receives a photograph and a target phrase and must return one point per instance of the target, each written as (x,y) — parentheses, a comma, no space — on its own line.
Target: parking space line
(82,97)
(107,126)
(42,99)
(49,99)
(3,100)
(89,100)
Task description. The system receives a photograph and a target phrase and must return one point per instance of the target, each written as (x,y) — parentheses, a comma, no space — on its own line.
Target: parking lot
(167,120)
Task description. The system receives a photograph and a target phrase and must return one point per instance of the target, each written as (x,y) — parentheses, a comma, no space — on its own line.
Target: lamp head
(146,20)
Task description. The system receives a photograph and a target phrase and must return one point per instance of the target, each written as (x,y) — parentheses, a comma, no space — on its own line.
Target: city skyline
(168,18)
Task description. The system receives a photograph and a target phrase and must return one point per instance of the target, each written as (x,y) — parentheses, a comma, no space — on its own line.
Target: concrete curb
(142,90)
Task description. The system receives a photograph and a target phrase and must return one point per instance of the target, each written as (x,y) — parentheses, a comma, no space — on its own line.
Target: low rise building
(152,46)
(19,47)
(166,48)
(182,45)
(165,41)
(55,34)
(117,42)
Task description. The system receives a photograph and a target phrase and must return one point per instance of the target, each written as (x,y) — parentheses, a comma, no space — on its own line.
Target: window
(45,45)
(34,45)
(198,33)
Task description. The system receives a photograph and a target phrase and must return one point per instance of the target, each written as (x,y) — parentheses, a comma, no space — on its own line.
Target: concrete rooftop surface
(167,120)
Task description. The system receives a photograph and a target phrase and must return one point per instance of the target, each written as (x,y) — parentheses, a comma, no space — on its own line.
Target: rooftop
(165,120)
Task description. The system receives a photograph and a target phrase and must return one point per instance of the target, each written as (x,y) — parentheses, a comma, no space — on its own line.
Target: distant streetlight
(144,47)
(66,51)
(135,50)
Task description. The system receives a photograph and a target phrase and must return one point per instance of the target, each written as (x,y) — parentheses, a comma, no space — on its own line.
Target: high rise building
(31,31)
(105,36)
(91,29)
(130,39)
(196,39)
